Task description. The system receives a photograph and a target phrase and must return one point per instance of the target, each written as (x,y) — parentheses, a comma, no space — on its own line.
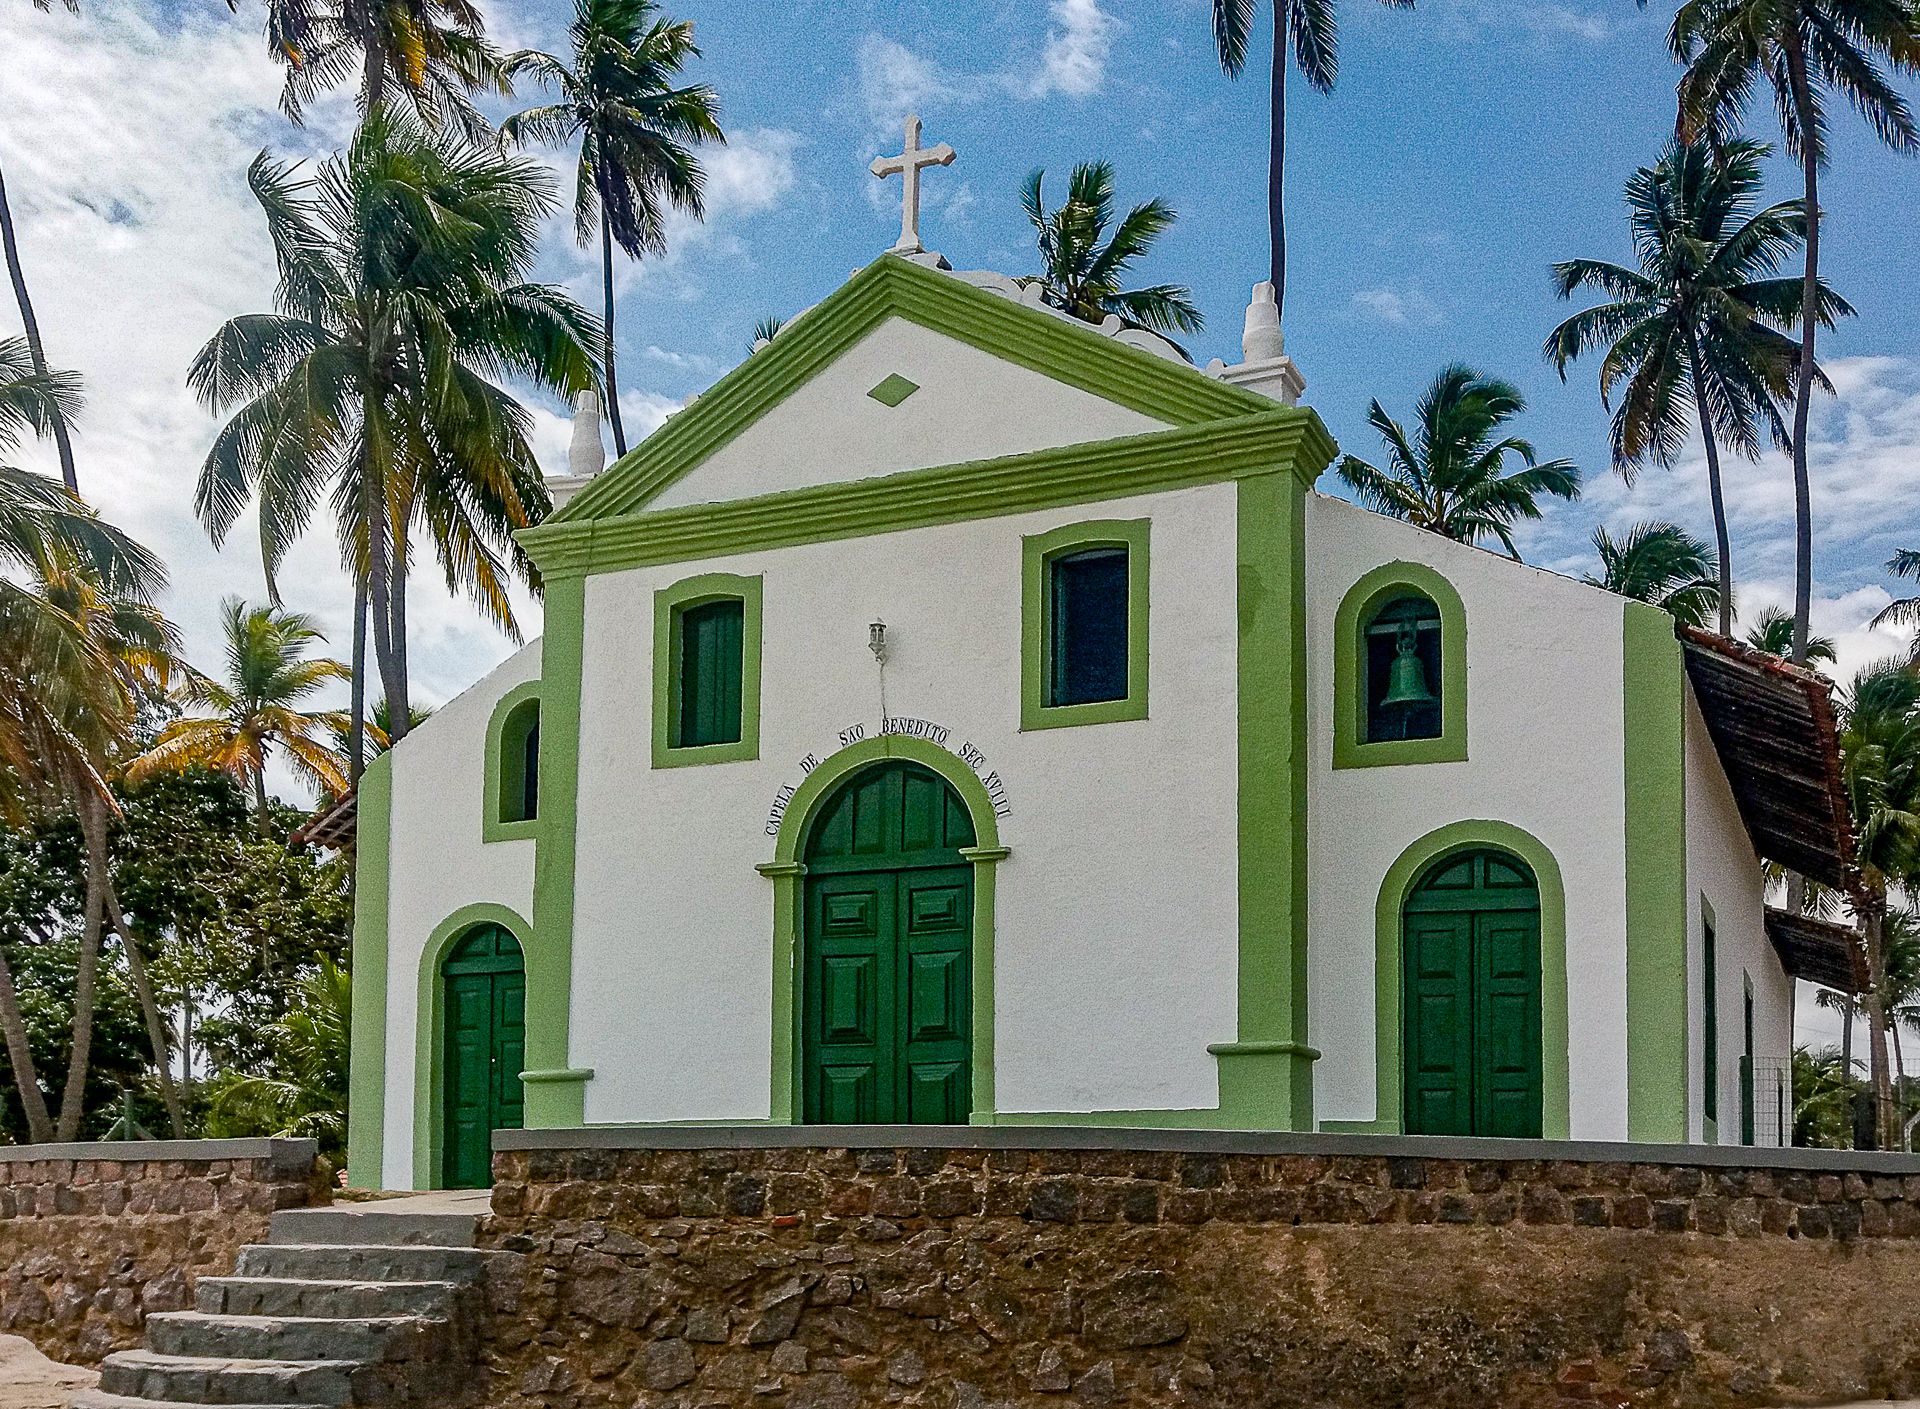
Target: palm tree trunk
(1713,484)
(20,1056)
(357,730)
(606,273)
(1277,160)
(1873,922)
(73,1099)
(150,1011)
(379,560)
(260,799)
(19,277)
(1809,309)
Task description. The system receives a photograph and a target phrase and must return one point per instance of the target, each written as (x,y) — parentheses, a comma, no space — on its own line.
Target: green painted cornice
(1274,440)
(1059,348)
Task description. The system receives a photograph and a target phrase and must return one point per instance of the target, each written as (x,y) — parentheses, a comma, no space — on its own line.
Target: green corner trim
(1036,627)
(1357,609)
(504,764)
(894,390)
(1276,440)
(1654,710)
(891,287)
(1389,1017)
(668,604)
(1266,1074)
(430,1033)
(549,957)
(786,871)
(367,1059)
(556,1078)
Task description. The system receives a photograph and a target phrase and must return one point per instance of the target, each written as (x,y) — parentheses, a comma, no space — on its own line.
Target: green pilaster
(367,1057)
(556,1093)
(1654,698)
(1266,1076)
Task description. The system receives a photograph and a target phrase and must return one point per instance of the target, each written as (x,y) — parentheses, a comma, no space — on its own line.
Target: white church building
(965,714)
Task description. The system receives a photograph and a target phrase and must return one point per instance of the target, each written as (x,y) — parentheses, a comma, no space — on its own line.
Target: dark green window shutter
(519,794)
(710,673)
(1400,647)
(1087,626)
(1710,1021)
(530,771)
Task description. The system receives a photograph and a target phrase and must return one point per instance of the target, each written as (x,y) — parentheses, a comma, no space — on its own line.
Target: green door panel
(1471,999)
(887,958)
(485,1001)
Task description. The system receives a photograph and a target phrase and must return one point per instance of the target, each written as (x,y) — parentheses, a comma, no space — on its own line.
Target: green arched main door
(486,1000)
(1471,1001)
(887,957)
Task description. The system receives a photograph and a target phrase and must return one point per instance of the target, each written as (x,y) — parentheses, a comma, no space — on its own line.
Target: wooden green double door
(485,996)
(1471,999)
(886,1013)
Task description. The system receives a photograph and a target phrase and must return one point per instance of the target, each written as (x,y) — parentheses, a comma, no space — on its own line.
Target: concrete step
(363,1341)
(100,1399)
(340,1263)
(215,1380)
(369,1225)
(292,1296)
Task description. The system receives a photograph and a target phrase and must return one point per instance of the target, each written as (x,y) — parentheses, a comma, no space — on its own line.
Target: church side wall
(1725,880)
(1545,755)
(438,865)
(1115,945)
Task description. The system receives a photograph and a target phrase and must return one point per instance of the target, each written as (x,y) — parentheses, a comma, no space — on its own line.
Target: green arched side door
(887,957)
(486,1000)
(1471,998)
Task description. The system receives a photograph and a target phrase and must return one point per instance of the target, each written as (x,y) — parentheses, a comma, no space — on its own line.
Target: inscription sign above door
(902,727)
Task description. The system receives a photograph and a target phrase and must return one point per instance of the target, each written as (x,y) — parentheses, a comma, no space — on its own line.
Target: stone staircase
(372,1305)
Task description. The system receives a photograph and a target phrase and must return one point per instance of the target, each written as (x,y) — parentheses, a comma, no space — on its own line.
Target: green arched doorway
(1471,1002)
(485,991)
(886,1012)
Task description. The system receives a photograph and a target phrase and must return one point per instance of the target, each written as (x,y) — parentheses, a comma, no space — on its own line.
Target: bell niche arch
(1400,670)
(1403,659)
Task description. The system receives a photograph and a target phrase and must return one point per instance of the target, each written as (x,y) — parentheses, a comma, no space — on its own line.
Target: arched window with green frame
(1400,670)
(511,810)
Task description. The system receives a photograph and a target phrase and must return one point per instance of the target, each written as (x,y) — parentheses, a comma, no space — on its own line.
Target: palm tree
(1311,28)
(18,275)
(401,293)
(1805,51)
(1451,479)
(1880,771)
(306,1097)
(1661,564)
(1772,632)
(1693,330)
(636,133)
(432,54)
(1903,611)
(1082,276)
(268,674)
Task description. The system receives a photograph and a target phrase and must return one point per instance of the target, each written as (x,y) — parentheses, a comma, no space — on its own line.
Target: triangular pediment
(904,368)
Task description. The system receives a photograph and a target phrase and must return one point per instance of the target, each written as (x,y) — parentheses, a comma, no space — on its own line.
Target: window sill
(746,751)
(1393,752)
(1067,716)
(526,830)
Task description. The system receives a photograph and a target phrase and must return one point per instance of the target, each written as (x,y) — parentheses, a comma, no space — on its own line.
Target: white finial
(908,166)
(1262,341)
(586,456)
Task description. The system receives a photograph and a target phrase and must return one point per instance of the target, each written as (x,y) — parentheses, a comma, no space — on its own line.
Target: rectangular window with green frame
(1084,618)
(706,670)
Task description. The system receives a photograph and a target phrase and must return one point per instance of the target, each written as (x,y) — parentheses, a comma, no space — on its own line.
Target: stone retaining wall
(94,1237)
(1191,1269)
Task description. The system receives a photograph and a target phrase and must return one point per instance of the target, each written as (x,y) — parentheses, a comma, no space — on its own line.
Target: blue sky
(1467,146)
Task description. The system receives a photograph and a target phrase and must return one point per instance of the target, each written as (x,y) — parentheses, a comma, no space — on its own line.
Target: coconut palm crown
(1660,564)
(373,387)
(1694,331)
(636,130)
(1451,476)
(1083,272)
(1904,611)
(255,709)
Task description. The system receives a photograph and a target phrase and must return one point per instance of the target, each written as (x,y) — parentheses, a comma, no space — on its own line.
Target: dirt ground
(28,1380)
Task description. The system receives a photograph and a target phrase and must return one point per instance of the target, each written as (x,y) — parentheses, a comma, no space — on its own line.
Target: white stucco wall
(1115,950)
(971,405)
(1723,871)
(1545,754)
(438,864)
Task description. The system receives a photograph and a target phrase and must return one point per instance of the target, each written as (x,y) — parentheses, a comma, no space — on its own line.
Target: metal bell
(1407,679)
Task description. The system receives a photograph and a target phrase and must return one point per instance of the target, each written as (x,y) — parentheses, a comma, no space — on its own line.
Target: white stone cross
(908,166)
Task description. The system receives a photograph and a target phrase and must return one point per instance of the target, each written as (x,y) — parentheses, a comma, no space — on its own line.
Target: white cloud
(1075,59)
(896,82)
(1538,23)
(1396,309)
